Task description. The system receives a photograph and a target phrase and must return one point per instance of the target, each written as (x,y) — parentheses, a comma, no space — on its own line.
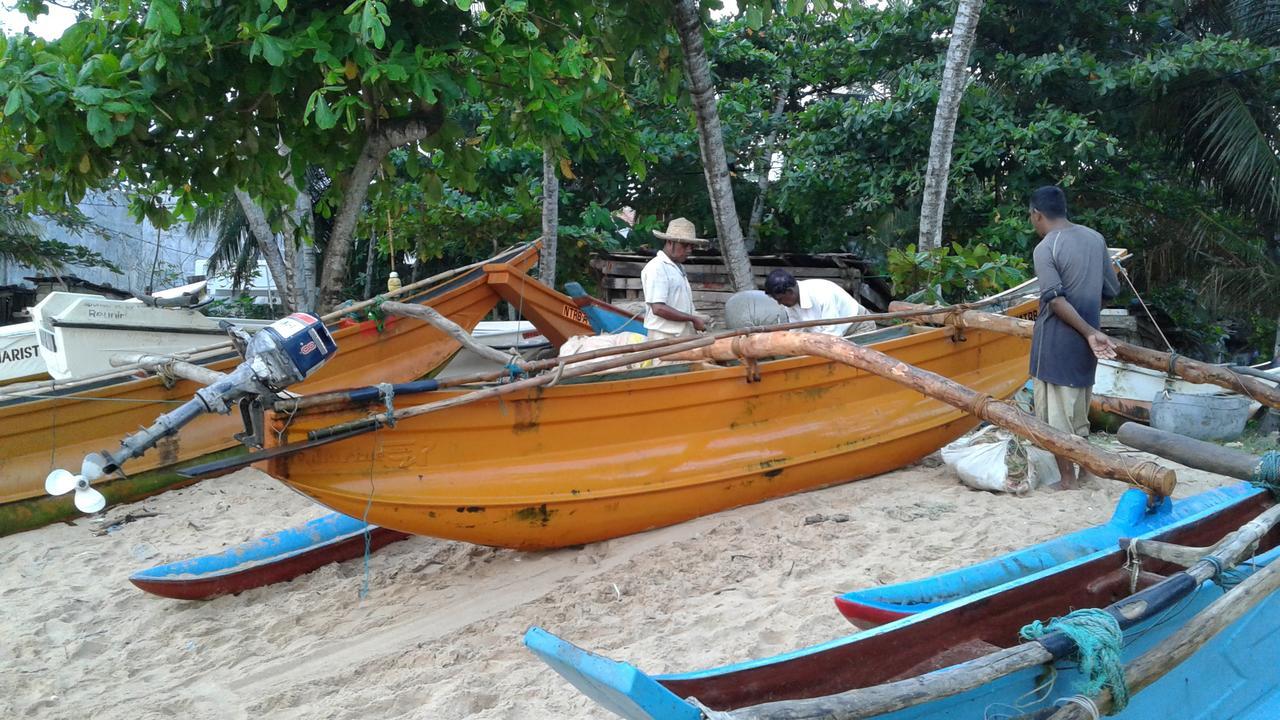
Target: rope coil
(1098,639)
(1267,474)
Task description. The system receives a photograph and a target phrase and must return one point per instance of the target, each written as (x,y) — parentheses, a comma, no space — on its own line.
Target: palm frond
(1237,149)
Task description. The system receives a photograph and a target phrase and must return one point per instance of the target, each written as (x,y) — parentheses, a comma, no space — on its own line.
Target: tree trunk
(765,166)
(267,245)
(715,166)
(304,245)
(369,262)
(954,76)
(292,262)
(550,217)
(356,188)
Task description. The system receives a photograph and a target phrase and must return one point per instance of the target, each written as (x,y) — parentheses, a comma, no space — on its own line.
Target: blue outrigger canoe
(275,558)
(886,671)
(876,606)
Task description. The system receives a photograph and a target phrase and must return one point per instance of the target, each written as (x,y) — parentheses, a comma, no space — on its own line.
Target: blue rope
(515,370)
(1098,638)
(1267,474)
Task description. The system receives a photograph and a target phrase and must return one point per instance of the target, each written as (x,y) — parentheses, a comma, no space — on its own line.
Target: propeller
(88,499)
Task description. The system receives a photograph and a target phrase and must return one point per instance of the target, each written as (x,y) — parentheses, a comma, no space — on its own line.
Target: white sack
(994,459)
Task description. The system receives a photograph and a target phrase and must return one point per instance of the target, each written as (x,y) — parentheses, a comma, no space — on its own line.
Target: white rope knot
(558,374)
(388,393)
(1087,703)
(1133,563)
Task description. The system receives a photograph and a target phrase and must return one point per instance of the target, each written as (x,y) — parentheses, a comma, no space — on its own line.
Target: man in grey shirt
(752,308)
(1076,275)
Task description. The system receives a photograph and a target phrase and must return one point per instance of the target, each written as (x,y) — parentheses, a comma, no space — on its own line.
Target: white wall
(130,245)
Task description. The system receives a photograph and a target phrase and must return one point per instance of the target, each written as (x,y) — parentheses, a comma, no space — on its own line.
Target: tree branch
(381,141)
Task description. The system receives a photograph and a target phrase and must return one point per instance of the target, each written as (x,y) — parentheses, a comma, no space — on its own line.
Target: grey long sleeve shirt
(1072,263)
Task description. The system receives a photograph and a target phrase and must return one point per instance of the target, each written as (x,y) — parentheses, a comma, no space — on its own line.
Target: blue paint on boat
(1130,519)
(603,319)
(617,686)
(1231,678)
(274,558)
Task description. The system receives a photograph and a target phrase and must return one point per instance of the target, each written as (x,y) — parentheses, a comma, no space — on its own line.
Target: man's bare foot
(1064,485)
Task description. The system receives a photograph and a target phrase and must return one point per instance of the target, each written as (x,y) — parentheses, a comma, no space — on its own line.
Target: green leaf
(325,118)
(755,17)
(272,51)
(498,37)
(14,102)
(163,16)
(432,188)
(99,125)
(463,5)
(88,95)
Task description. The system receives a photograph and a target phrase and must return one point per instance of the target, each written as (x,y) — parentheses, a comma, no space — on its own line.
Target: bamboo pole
(912,692)
(1147,475)
(339,396)
(1183,367)
(430,316)
(1186,641)
(498,390)
(163,365)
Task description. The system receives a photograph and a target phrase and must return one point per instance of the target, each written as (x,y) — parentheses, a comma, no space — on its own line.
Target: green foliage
(954,273)
(1193,328)
(1158,119)
(242,307)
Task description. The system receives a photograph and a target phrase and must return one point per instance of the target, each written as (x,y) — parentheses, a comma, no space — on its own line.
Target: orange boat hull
(588,461)
(38,435)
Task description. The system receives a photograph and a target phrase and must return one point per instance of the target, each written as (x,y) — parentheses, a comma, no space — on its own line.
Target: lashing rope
(1098,638)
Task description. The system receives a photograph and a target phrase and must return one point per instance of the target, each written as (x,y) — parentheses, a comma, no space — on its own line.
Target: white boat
(78,334)
(508,336)
(20,353)
(1128,390)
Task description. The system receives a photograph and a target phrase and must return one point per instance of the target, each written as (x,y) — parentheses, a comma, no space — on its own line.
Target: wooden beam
(1184,367)
(1147,475)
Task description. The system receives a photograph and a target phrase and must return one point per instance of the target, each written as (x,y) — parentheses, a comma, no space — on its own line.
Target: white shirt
(820,299)
(664,281)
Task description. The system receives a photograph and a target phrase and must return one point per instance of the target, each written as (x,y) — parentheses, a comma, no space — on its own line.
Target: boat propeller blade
(88,499)
(93,466)
(59,482)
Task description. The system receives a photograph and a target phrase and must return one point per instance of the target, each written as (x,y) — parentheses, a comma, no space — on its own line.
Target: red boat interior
(963,634)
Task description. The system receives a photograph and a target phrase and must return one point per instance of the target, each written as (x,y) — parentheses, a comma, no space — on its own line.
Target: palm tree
(715,166)
(954,76)
(234,251)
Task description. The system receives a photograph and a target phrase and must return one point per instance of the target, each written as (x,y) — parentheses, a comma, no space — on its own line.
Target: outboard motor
(281,354)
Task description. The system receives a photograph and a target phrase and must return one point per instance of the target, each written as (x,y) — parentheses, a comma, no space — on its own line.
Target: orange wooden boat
(603,456)
(58,426)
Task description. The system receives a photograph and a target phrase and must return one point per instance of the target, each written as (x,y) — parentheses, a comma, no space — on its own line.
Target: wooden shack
(619,277)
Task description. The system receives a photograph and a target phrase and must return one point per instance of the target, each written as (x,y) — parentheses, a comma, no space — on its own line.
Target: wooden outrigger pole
(1149,476)
(1172,363)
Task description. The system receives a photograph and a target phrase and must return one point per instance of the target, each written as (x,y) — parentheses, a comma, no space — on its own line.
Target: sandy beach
(438,633)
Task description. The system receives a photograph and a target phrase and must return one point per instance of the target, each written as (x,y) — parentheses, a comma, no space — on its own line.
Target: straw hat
(682,231)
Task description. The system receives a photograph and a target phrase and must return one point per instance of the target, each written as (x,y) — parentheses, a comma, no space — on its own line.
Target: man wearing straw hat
(667,295)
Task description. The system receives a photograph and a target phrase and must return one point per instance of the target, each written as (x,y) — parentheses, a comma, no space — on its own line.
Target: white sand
(439,634)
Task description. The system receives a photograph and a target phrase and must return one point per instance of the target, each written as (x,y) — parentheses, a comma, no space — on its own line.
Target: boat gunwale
(1254,494)
(608,383)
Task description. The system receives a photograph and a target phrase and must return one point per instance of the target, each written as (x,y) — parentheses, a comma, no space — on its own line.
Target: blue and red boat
(923,666)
